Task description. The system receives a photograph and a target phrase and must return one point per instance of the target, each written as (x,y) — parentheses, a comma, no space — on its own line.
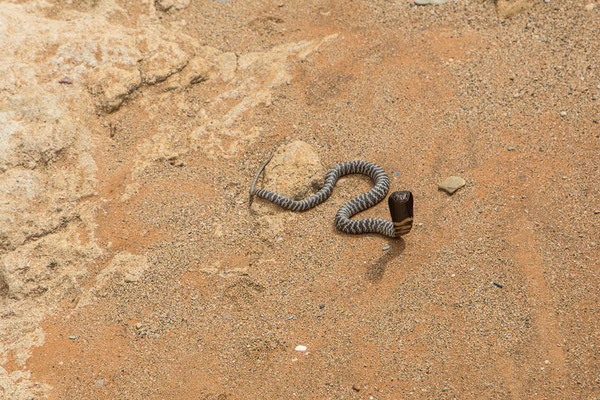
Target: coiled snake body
(400,203)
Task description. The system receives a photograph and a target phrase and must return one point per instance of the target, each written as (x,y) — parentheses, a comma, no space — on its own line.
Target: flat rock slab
(451,184)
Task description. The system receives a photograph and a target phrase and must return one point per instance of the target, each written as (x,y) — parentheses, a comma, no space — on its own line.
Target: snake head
(401,209)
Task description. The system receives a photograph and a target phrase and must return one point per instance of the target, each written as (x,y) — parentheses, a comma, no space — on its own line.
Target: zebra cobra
(400,203)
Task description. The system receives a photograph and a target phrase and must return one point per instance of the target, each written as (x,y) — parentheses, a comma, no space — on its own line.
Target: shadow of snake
(376,270)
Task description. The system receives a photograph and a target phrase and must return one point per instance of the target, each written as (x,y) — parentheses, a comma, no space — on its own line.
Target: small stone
(100,382)
(510,148)
(596,211)
(321,306)
(563,113)
(452,184)
(72,337)
(356,387)
(396,173)
(498,285)
(65,80)
(386,248)
(590,6)
(300,348)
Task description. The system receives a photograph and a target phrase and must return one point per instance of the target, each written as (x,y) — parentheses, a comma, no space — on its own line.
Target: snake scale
(400,203)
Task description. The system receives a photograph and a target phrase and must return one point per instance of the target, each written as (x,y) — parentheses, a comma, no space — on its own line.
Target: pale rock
(34,130)
(18,385)
(430,2)
(46,170)
(113,85)
(167,59)
(124,269)
(47,173)
(452,184)
(227,65)
(208,52)
(181,4)
(38,268)
(589,6)
(223,65)
(166,5)
(295,171)
(36,139)
(510,8)
(128,267)
(196,71)
(219,131)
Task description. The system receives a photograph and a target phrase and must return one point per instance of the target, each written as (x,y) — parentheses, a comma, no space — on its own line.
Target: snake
(400,202)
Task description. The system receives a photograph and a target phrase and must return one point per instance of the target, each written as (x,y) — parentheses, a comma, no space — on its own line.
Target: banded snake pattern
(400,203)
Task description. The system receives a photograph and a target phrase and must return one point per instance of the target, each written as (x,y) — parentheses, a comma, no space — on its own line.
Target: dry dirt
(131,266)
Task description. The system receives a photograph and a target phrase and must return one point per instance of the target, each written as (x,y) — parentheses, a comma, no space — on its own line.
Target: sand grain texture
(132,267)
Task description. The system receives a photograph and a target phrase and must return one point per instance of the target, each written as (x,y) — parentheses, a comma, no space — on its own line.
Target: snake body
(354,206)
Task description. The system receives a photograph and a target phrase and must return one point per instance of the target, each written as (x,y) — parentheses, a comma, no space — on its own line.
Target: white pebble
(300,348)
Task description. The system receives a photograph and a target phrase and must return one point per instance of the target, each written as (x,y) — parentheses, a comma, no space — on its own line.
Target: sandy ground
(189,294)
